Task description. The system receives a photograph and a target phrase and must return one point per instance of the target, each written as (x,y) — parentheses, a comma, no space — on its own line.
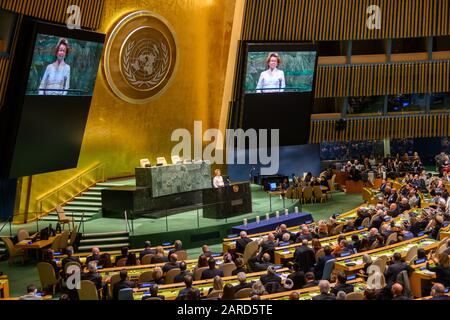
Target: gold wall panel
(118,134)
(393,127)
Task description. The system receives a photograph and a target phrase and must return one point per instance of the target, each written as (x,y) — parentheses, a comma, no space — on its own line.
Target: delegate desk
(308,293)
(135,271)
(420,274)
(285,253)
(292,219)
(228,201)
(4,287)
(171,291)
(229,243)
(36,245)
(353,263)
(444,232)
(113,254)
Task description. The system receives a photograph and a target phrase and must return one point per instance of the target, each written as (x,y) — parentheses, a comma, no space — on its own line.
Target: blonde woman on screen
(271,80)
(57,74)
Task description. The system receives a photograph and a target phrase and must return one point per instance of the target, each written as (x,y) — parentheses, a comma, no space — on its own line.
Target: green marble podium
(174,179)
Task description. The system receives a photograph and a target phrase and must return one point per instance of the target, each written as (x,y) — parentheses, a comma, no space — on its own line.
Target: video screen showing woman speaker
(285,71)
(63,66)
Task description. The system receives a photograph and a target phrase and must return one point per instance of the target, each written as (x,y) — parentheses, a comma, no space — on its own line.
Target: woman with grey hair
(341,295)
(258,289)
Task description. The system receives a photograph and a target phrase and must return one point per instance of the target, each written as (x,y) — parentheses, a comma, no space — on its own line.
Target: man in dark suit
(324,286)
(264,264)
(147,250)
(205,251)
(270,276)
(393,196)
(373,232)
(397,292)
(376,223)
(51,260)
(172,264)
(342,284)
(122,284)
(393,210)
(304,234)
(305,256)
(268,247)
(154,293)
(438,292)
(394,269)
(93,275)
(242,278)
(361,215)
(183,272)
(69,258)
(242,242)
(320,265)
(404,205)
(282,230)
(189,290)
(297,277)
(310,280)
(212,271)
(178,245)
(95,256)
(383,185)
(124,255)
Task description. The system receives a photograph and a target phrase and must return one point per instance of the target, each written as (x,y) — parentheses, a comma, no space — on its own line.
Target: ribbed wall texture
(340,20)
(343,19)
(394,127)
(381,79)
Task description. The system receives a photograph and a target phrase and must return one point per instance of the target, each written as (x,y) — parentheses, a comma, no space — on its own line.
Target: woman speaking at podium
(271,80)
(218,180)
(57,74)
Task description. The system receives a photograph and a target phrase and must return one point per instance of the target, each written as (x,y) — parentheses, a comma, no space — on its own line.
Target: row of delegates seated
(159,251)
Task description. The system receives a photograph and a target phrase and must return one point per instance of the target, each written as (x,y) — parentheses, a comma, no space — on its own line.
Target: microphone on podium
(279,83)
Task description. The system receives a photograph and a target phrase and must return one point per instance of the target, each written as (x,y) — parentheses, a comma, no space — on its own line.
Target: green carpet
(22,275)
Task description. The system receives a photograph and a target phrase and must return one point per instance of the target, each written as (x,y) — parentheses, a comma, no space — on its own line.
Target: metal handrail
(76,180)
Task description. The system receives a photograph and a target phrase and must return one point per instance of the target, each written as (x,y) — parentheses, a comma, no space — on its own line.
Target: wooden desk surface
(308,293)
(35,245)
(4,286)
(402,248)
(287,252)
(135,271)
(170,291)
(113,254)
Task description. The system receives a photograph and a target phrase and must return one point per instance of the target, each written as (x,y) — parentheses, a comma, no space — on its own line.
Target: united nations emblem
(140,57)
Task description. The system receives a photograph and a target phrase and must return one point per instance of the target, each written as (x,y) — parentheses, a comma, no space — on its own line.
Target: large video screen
(278,89)
(282,71)
(63,66)
(48,98)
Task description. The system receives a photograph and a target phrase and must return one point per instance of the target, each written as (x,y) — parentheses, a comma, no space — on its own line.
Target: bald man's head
(397,289)
(437,290)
